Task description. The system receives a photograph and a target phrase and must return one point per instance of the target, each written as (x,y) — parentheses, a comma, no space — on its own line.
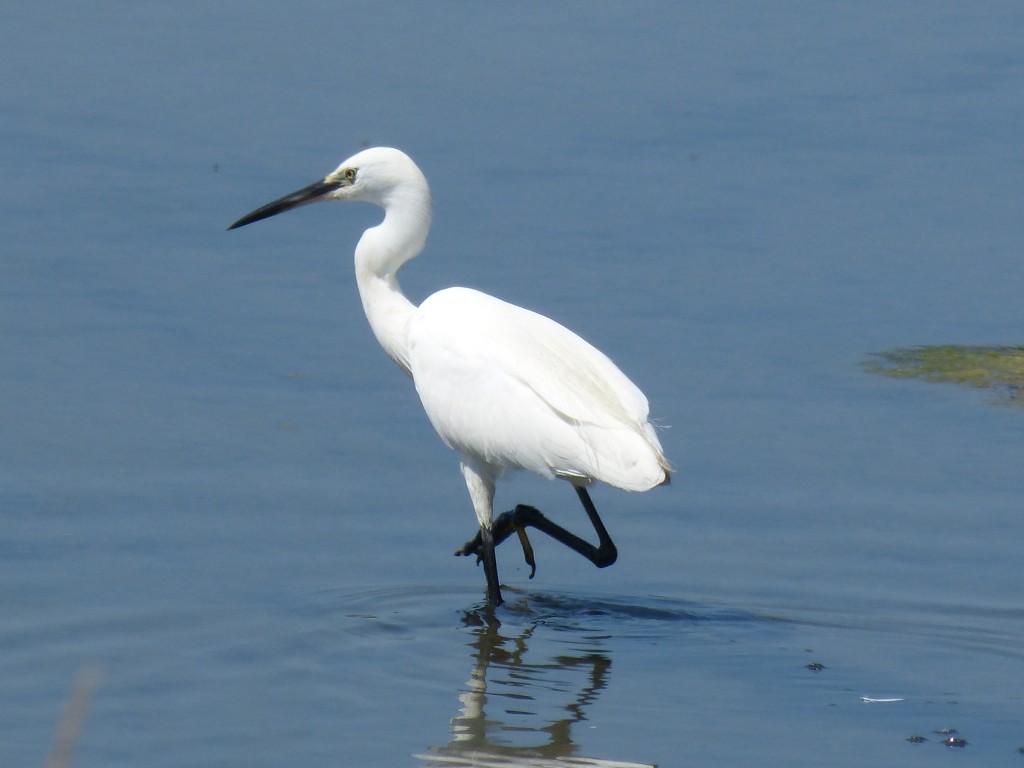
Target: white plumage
(505,387)
(519,391)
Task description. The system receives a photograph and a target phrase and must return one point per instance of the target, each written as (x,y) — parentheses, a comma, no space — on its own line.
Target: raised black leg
(603,555)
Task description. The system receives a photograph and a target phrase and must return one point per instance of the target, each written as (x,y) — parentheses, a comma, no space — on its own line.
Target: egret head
(380,175)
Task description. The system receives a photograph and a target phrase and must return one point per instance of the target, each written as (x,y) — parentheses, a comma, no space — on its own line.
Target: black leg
(605,553)
(523,515)
(494,598)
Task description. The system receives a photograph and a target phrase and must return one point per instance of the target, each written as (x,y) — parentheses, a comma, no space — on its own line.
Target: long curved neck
(381,251)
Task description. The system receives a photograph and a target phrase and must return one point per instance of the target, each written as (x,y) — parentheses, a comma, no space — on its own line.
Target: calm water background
(218,490)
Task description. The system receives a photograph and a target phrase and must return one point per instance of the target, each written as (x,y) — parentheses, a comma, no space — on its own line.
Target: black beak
(304,196)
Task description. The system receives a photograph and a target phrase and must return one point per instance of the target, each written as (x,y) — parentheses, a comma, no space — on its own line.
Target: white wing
(518,390)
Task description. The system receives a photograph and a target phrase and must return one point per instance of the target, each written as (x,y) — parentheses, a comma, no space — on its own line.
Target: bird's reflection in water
(519,706)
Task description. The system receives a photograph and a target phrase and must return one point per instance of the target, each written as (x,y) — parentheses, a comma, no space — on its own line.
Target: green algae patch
(1000,369)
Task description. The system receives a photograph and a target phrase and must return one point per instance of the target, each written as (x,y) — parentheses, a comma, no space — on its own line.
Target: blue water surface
(219,496)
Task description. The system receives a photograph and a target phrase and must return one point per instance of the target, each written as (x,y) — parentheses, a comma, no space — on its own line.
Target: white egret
(505,387)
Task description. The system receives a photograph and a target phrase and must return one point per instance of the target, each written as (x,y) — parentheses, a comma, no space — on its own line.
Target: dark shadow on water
(423,606)
(622,611)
